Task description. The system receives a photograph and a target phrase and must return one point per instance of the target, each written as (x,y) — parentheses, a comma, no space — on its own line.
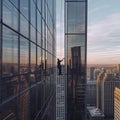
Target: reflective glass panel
(23,26)
(24,7)
(39,4)
(75,41)
(10,86)
(33,12)
(33,34)
(39,57)
(38,21)
(10,15)
(24,58)
(15,2)
(24,81)
(9,52)
(33,57)
(38,38)
(76,17)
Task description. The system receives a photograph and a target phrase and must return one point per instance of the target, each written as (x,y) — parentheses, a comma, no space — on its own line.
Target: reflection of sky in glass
(39,56)
(76,17)
(23,51)
(23,25)
(10,15)
(32,10)
(76,40)
(15,2)
(24,7)
(33,54)
(10,46)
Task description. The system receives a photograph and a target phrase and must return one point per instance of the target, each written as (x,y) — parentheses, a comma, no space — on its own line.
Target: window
(23,26)
(33,57)
(10,15)
(10,52)
(24,58)
(76,17)
(24,7)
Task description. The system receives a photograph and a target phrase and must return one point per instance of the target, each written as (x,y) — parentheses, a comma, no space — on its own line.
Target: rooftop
(95,112)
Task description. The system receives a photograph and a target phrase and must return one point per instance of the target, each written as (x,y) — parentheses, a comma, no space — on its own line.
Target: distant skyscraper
(75,54)
(117,104)
(27,59)
(91,93)
(92,73)
(106,88)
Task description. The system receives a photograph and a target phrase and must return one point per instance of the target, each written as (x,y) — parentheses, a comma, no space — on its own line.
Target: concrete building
(27,59)
(117,104)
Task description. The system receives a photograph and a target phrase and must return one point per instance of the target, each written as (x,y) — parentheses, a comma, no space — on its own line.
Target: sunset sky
(103,41)
(103,44)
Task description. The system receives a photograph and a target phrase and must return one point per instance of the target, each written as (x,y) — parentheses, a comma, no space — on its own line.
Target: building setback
(75,54)
(27,59)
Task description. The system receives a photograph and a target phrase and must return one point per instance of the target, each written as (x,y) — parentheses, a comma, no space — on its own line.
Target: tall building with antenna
(75,54)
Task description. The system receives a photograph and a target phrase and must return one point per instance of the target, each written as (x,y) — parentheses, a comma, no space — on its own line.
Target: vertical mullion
(0,49)
(29,39)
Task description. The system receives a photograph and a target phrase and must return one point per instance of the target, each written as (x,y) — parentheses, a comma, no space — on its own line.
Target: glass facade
(75,54)
(27,59)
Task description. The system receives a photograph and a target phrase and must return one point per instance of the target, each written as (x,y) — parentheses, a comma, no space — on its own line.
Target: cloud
(60,39)
(104,38)
(105,28)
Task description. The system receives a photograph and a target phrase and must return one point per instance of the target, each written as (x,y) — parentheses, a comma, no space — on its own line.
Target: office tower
(92,73)
(91,93)
(98,89)
(106,93)
(27,59)
(75,54)
(117,104)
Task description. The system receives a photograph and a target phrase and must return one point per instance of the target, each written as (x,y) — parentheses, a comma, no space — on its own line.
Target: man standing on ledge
(59,65)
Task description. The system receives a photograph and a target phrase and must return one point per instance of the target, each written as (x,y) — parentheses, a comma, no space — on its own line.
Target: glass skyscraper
(75,54)
(27,59)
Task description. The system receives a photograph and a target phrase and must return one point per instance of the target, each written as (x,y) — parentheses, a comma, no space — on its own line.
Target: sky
(103,43)
(60,28)
(103,31)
